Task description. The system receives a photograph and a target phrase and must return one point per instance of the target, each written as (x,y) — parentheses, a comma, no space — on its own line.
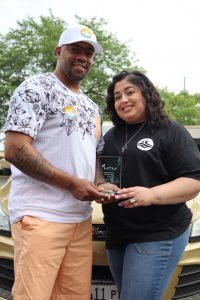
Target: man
(53,132)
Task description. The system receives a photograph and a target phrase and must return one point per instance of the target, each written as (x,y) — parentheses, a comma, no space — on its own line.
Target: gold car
(185,281)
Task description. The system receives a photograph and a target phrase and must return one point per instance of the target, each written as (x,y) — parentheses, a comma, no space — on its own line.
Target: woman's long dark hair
(156,117)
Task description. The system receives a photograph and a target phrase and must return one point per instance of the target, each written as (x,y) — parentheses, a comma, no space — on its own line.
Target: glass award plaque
(109,169)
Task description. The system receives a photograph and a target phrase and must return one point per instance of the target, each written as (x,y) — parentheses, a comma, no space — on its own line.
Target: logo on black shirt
(145,144)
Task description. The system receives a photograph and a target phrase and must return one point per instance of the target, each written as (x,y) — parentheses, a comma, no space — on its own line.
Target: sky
(163,34)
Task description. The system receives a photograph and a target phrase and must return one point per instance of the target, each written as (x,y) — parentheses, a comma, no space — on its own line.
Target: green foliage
(29,49)
(182,107)
(116,56)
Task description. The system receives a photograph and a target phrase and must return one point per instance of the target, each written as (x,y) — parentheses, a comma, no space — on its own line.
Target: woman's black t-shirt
(150,159)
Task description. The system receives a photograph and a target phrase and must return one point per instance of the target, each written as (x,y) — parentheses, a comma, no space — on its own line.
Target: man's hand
(109,190)
(85,190)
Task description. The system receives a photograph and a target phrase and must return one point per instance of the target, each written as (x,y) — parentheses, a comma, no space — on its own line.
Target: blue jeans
(142,270)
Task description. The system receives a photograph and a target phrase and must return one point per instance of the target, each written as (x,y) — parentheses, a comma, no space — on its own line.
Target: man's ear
(57,51)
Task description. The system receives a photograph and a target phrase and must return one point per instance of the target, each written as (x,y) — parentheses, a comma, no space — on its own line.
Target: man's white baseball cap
(79,33)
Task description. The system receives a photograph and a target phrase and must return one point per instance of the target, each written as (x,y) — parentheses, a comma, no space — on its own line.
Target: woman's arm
(179,190)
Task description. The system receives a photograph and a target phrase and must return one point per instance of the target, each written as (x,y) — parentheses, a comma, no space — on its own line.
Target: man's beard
(77,77)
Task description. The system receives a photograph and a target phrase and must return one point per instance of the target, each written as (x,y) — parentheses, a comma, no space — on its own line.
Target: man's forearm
(32,163)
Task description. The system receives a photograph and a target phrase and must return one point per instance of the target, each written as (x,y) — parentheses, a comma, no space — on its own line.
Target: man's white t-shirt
(66,130)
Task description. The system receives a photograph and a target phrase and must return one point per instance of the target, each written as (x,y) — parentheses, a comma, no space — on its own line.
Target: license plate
(104,291)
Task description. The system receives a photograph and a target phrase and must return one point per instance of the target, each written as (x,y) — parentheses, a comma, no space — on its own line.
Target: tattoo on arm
(33,164)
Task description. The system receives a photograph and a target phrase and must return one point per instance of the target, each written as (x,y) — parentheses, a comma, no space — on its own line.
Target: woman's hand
(135,196)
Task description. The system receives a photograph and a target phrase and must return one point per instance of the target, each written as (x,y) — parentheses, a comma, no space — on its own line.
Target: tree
(29,49)
(182,107)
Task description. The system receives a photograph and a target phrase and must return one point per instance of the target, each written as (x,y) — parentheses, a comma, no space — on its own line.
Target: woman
(147,225)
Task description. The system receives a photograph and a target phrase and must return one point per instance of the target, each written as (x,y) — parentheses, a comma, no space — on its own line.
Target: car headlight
(4,225)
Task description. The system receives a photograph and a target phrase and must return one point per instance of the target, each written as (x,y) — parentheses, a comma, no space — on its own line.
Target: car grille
(99,232)
(189,283)
(6,277)
(5,232)
(188,287)
(102,273)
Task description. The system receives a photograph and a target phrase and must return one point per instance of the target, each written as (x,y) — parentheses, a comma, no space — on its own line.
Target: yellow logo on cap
(86,32)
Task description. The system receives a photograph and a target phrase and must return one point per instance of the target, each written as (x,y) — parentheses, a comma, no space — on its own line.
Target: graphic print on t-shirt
(42,99)
(145,144)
